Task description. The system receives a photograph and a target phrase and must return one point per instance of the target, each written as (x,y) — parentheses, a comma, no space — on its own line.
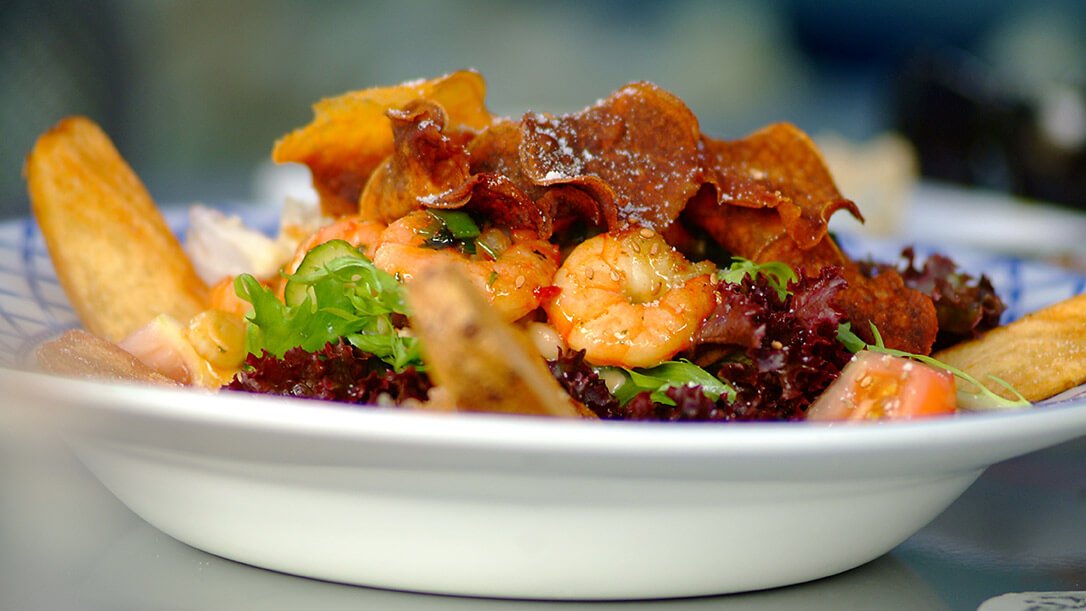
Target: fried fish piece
(115,256)
(481,362)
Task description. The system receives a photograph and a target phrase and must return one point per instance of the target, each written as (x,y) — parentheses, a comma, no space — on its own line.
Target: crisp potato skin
(115,256)
(1041,354)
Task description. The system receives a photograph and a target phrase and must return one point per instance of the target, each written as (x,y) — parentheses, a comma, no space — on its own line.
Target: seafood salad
(613,263)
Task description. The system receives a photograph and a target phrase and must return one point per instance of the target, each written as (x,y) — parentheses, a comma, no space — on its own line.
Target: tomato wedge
(877,386)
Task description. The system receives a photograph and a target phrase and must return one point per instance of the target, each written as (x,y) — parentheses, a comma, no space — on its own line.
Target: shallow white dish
(515,506)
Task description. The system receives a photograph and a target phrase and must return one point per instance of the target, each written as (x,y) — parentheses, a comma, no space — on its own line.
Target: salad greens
(777,273)
(668,374)
(459,224)
(337,292)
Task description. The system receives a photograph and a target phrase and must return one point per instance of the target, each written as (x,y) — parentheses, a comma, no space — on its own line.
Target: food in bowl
(612,263)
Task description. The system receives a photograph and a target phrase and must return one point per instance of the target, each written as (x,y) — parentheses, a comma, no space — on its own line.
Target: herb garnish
(345,296)
(667,375)
(984,398)
(777,273)
(452,228)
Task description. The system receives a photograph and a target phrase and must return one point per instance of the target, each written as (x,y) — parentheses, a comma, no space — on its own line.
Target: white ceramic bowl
(511,506)
(522,507)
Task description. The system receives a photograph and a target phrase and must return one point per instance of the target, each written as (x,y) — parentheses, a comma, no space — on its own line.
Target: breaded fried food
(1041,354)
(482,362)
(115,257)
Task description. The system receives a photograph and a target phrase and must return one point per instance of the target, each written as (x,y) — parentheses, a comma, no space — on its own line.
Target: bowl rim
(238,411)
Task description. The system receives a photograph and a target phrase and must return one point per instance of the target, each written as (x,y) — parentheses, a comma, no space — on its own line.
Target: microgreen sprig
(984,398)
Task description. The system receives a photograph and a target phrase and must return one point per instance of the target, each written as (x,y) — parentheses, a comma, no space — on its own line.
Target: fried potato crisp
(350,135)
(115,256)
(636,151)
(775,197)
(778,167)
(1041,354)
(481,361)
(505,193)
(425,165)
(906,318)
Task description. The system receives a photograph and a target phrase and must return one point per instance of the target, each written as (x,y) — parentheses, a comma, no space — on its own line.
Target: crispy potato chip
(115,256)
(1041,354)
(428,169)
(778,167)
(757,234)
(906,318)
(500,189)
(425,165)
(636,152)
(481,361)
(350,135)
(495,159)
(497,199)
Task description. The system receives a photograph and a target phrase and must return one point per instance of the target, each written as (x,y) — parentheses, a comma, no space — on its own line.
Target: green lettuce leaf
(666,375)
(346,297)
(779,274)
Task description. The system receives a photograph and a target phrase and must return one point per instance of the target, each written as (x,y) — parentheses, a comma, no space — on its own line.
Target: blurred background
(986,92)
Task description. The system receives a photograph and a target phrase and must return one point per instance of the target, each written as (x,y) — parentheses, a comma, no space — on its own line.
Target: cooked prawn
(511,280)
(630,299)
(364,235)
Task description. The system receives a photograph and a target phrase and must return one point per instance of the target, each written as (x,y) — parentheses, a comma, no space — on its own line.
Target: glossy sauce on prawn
(511,280)
(363,235)
(629,299)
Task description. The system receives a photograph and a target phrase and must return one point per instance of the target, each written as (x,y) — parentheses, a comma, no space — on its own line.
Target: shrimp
(511,281)
(364,235)
(630,299)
